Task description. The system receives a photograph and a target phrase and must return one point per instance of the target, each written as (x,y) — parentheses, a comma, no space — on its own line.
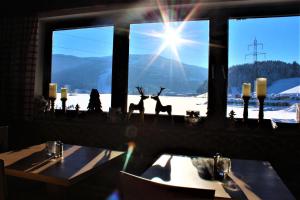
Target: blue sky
(195,53)
(85,42)
(280,36)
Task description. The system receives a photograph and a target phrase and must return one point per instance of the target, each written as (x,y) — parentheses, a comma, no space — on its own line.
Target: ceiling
(13,7)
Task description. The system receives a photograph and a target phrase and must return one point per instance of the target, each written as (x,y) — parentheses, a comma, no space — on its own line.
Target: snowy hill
(285,86)
(294,90)
(288,75)
(83,74)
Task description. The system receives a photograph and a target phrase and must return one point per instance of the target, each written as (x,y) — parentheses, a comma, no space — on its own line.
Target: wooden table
(248,179)
(77,162)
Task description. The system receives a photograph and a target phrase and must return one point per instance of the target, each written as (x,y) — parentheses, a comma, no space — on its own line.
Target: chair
(137,188)
(2,181)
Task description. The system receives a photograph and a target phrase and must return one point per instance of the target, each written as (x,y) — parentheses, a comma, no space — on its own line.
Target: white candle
(261,87)
(52,90)
(246,90)
(64,93)
(298,112)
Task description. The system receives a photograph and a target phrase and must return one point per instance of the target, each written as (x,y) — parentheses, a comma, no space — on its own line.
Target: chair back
(2,181)
(137,188)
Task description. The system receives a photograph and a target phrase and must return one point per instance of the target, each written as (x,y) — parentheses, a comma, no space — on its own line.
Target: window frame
(198,20)
(218,34)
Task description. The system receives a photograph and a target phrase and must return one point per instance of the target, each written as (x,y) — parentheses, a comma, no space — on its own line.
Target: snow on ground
(179,105)
(268,114)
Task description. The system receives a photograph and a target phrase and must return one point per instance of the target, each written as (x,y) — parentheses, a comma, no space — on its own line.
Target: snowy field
(286,113)
(180,105)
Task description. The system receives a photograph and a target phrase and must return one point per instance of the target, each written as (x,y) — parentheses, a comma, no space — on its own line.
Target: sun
(171,37)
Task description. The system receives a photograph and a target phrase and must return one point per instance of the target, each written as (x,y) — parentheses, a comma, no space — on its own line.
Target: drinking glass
(51,148)
(225,165)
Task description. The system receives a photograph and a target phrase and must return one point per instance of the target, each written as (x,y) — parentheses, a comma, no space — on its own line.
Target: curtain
(18,54)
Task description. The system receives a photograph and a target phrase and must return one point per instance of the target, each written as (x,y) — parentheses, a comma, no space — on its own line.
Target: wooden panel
(2,181)
(258,180)
(247,180)
(77,162)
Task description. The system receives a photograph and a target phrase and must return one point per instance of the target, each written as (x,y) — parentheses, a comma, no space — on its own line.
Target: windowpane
(81,61)
(270,48)
(173,56)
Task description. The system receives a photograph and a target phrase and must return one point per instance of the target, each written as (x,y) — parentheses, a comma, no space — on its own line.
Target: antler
(161,89)
(141,90)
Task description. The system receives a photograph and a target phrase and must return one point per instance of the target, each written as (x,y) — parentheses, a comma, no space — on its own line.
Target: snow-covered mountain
(285,86)
(83,74)
(293,91)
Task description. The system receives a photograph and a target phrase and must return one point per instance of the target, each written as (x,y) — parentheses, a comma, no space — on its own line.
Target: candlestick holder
(63,103)
(261,100)
(52,101)
(246,103)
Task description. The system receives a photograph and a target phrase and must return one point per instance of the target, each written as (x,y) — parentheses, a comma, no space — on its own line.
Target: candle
(261,87)
(298,112)
(246,89)
(64,93)
(52,90)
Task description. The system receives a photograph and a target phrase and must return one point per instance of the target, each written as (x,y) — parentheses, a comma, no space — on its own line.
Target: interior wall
(18,62)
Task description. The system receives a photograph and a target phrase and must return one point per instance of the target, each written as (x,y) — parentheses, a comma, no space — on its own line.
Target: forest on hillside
(272,70)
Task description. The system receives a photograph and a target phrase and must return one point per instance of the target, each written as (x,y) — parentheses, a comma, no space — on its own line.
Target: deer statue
(139,106)
(159,107)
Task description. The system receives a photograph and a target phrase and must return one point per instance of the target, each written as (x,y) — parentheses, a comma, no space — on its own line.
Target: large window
(173,56)
(270,48)
(81,61)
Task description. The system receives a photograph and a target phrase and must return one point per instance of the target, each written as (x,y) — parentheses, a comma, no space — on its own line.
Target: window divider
(119,90)
(218,71)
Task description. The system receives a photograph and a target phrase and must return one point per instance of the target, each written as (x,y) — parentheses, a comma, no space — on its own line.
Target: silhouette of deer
(159,107)
(139,106)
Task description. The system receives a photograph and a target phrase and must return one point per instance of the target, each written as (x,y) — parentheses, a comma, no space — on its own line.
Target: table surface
(77,162)
(248,179)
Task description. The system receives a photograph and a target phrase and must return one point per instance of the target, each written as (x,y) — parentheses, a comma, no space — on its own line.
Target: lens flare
(131,147)
(114,196)
(171,35)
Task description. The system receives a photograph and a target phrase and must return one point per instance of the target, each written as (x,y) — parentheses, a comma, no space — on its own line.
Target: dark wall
(17,64)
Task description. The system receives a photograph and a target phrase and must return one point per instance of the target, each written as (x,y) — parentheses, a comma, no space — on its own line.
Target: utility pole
(255,53)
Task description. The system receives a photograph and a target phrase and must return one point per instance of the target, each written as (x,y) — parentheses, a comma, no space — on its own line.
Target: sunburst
(171,35)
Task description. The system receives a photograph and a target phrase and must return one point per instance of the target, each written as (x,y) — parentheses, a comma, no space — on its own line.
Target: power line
(84,51)
(143,48)
(255,53)
(86,38)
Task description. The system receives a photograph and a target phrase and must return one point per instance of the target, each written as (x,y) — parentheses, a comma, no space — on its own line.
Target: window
(270,48)
(173,56)
(81,61)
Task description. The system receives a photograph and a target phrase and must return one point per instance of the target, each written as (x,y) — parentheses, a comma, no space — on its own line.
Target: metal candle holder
(52,100)
(261,100)
(63,103)
(246,103)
